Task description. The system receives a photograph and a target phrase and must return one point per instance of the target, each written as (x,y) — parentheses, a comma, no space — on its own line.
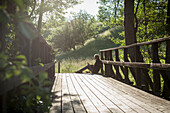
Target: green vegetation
(16,26)
(73,33)
(91,47)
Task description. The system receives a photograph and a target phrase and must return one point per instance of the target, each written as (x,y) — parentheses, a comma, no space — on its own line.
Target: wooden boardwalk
(80,93)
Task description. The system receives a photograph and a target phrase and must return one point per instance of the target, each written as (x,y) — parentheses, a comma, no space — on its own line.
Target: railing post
(118,76)
(166,76)
(106,65)
(58,66)
(102,59)
(111,73)
(156,75)
(126,68)
(138,70)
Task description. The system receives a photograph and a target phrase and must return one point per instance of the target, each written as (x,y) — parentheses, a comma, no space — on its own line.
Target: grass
(72,65)
(74,60)
(91,47)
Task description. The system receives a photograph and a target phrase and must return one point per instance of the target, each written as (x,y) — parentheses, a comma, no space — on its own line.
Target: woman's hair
(96,56)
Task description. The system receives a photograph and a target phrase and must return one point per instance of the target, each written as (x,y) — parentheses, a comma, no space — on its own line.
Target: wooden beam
(140,44)
(157,66)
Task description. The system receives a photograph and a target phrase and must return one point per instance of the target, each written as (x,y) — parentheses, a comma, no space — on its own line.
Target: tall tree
(40,16)
(50,7)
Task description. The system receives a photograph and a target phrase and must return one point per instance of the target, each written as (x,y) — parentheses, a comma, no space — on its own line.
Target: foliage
(150,21)
(111,12)
(73,33)
(43,10)
(32,96)
(91,47)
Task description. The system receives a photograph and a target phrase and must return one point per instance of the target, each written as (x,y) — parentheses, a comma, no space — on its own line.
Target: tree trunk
(130,38)
(40,16)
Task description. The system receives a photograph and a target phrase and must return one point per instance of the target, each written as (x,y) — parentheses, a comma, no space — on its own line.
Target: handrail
(139,44)
(136,66)
(157,66)
(13,82)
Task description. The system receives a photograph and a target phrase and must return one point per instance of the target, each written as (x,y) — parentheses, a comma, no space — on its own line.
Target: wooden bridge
(110,92)
(86,93)
(101,93)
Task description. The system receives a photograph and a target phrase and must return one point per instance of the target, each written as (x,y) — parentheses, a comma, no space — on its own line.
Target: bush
(30,97)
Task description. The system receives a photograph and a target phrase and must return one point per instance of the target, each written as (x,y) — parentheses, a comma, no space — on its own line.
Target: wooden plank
(88,104)
(75,99)
(157,66)
(139,44)
(151,101)
(99,105)
(105,97)
(57,99)
(125,104)
(142,106)
(66,100)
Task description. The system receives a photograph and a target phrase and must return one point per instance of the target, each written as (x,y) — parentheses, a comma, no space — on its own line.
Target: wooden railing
(36,51)
(120,69)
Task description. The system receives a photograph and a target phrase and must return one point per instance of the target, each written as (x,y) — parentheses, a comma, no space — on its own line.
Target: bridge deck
(81,93)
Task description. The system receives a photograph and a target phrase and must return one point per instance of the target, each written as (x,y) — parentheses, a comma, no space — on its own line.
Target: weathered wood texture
(85,93)
(137,67)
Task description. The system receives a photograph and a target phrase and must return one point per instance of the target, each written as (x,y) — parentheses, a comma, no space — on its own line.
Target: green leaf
(27,31)
(41,64)
(43,76)
(38,97)
(25,78)
(8,75)
(22,57)
(17,72)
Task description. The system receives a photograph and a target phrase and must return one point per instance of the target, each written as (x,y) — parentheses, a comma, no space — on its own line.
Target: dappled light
(85,56)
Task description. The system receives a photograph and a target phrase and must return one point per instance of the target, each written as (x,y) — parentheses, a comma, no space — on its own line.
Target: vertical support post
(118,76)
(138,70)
(112,74)
(42,52)
(35,51)
(58,66)
(45,52)
(102,59)
(29,52)
(126,68)
(166,76)
(156,75)
(106,65)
